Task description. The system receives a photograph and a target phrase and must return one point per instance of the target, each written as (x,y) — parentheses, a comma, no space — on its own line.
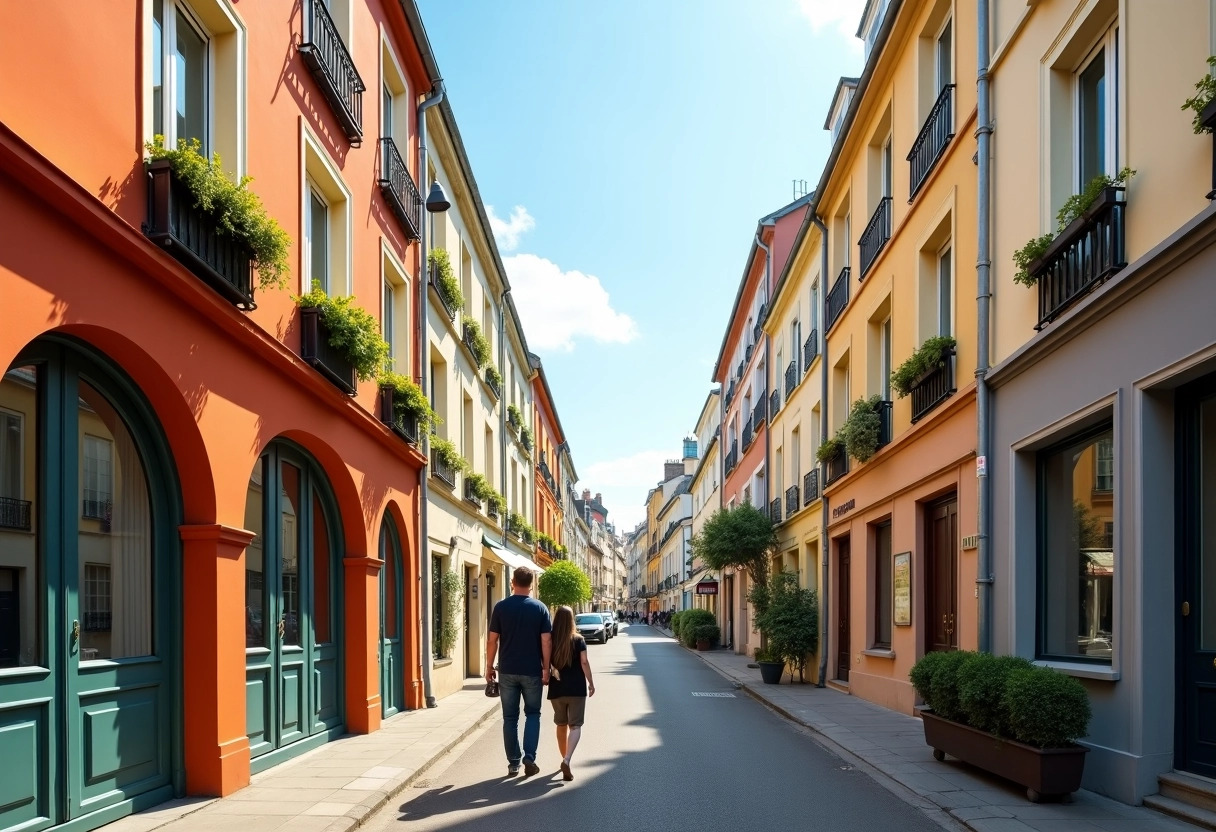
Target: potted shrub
(339,338)
(445,283)
(771,666)
(690,624)
(930,357)
(860,432)
(479,487)
(790,623)
(476,341)
(404,407)
(706,636)
(1007,716)
(1202,102)
(448,461)
(830,449)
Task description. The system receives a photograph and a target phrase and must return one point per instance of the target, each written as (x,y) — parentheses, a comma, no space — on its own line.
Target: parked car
(592,627)
(615,625)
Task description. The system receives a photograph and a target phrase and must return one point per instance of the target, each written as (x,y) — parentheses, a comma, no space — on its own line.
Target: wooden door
(941,576)
(843,650)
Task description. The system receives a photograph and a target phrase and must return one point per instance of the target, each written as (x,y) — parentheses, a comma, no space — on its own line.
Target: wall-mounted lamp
(489,580)
(437,200)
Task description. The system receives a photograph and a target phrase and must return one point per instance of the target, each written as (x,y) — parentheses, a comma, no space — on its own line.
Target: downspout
(727,608)
(768,363)
(983,279)
(502,410)
(424,553)
(824,555)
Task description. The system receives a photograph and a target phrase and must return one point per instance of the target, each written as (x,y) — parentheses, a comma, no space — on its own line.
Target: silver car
(592,627)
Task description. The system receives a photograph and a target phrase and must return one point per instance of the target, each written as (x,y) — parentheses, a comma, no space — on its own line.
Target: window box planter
(933,386)
(441,470)
(1044,772)
(404,425)
(1208,119)
(835,468)
(495,385)
(469,495)
(191,237)
(315,349)
(447,307)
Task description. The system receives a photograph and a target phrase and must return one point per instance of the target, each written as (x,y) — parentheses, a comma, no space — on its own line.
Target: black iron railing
(402,424)
(774,403)
(732,456)
(1085,254)
(469,493)
(316,350)
(931,142)
(747,434)
(96,622)
(884,423)
(774,510)
(835,468)
(96,507)
(747,353)
(810,349)
(739,370)
(192,237)
(933,388)
(838,298)
(331,65)
(759,414)
(494,384)
(791,378)
(791,501)
(810,486)
(730,392)
(448,307)
(759,327)
(399,189)
(512,420)
(14,514)
(876,235)
(444,472)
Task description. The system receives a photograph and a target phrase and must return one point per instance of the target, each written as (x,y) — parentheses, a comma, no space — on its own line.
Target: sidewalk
(336,787)
(894,744)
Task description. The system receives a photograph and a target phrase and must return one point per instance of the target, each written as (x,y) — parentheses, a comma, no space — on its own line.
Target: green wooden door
(392,598)
(293,666)
(88,540)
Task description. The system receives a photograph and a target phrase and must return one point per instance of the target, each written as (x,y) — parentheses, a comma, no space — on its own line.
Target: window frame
(942,80)
(86,481)
(945,294)
(319,176)
(1108,45)
(885,337)
(394,278)
(171,11)
(883,588)
(19,418)
(90,596)
(315,193)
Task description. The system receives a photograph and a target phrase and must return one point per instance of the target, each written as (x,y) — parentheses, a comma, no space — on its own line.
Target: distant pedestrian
(522,626)
(570,684)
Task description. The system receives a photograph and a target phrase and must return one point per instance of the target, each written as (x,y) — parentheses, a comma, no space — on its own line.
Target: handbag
(492,689)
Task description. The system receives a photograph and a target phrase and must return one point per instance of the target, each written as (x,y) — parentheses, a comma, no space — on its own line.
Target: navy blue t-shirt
(519,621)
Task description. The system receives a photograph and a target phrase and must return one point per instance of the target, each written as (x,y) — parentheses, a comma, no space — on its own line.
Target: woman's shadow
(496,791)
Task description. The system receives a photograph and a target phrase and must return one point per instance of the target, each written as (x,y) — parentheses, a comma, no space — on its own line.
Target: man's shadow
(497,791)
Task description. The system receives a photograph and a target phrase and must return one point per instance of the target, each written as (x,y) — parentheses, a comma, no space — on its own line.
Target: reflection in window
(882,585)
(21,593)
(320,574)
(388,578)
(1076,560)
(289,513)
(255,560)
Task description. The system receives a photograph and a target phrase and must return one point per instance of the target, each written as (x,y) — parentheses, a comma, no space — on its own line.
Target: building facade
(548,438)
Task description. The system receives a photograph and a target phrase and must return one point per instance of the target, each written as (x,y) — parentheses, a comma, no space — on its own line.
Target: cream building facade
(706,495)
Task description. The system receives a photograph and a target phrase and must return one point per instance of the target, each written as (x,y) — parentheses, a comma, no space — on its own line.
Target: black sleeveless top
(573,681)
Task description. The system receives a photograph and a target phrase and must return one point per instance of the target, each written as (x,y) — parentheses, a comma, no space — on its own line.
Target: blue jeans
(510,686)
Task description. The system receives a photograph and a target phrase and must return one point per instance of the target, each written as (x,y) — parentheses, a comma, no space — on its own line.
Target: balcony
(404,426)
(494,384)
(14,514)
(759,414)
(399,189)
(884,423)
(932,140)
(810,486)
(1085,254)
(331,66)
(835,468)
(191,237)
(759,327)
(791,378)
(730,392)
(732,456)
(747,434)
(791,501)
(434,281)
(810,350)
(774,403)
(315,349)
(441,470)
(933,388)
(547,476)
(469,495)
(874,238)
(838,298)
(774,510)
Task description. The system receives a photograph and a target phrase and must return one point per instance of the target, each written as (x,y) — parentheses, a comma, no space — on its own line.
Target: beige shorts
(569,710)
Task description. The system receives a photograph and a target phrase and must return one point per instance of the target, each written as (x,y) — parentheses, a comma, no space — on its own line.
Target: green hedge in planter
(493,376)
(706,632)
(445,280)
(689,623)
(981,686)
(353,332)
(1045,708)
(447,453)
(830,449)
(930,356)
(860,431)
(480,487)
(480,346)
(409,402)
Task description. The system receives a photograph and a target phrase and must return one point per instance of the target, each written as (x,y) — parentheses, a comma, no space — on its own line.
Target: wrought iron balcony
(747,434)
(876,235)
(774,510)
(730,392)
(14,514)
(810,349)
(192,238)
(494,385)
(469,495)
(316,350)
(774,403)
(933,388)
(759,327)
(739,370)
(732,456)
(747,353)
(444,472)
(884,423)
(791,501)
(1084,255)
(932,140)
(810,486)
(399,189)
(760,413)
(331,65)
(835,468)
(838,298)
(791,378)
(403,425)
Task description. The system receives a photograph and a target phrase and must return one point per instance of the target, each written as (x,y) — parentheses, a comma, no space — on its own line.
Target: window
(796,340)
(386,319)
(1076,564)
(437,604)
(882,586)
(943,61)
(795,457)
(1104,466)
(884,359)
(325,219)
(11,454)
(1095,106)
(180,70)
(98,478)
(95,601)
(814,319)
(886,168)
(316,231)
(395,324)
(945,290)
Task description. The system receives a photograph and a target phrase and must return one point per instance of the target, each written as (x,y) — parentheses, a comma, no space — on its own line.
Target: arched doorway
(292,610)
(89,593)
(392,621)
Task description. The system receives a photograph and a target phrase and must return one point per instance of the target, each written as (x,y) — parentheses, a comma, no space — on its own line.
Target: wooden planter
(1045,772)
(315,349)
(704,644)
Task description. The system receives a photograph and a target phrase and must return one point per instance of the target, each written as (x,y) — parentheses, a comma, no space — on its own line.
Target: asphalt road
(655,758)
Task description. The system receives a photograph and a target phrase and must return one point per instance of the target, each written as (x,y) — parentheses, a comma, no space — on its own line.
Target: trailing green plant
(1205,91)
(497,503)
(790,623)
(447,453)
(480,486)
(525,436)
(521,527)
(740,537)
(445,280)
(929,356)
(563,584)
(691,621)
(493,376)
(981,686)
(452,589)
(860,431)
(514,417)
(830,449)
(479,345)
(353,332)
(1045,708)
(236,210)
(1073,207)
(409,402)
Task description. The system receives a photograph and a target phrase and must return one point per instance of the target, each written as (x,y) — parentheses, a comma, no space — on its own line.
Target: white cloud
(624,482)
(845,15)
(508,232)
(556,305)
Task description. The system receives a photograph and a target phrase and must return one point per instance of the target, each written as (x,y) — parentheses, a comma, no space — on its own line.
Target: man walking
(521,625)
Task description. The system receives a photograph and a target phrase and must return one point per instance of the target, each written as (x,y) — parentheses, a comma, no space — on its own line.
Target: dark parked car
(592,627)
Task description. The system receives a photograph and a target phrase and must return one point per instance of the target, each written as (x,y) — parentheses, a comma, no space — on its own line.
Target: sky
(625,152)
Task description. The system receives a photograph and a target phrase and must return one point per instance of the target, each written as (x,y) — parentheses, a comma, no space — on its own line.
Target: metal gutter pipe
(823,437)
(424,543)
(768,430)
(983,279)
(502,411)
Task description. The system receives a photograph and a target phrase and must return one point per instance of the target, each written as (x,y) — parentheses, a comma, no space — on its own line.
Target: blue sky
(627,150)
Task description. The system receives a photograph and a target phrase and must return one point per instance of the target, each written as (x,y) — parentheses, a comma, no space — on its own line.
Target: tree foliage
(740,538)
(563,584)
(790,623)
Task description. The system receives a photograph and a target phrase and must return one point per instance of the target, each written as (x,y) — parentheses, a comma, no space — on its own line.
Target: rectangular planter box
(1045,772)
(405,426)
(315,349)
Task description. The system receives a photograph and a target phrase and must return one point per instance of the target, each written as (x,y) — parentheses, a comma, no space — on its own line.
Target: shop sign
(707,588)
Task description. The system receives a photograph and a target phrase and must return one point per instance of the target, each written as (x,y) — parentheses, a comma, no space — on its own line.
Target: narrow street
(655,756)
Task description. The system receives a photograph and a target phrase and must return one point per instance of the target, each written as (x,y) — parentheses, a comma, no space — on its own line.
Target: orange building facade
(549,438)
(208,551)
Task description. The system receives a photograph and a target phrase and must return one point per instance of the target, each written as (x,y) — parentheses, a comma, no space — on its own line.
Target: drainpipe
(424,547)
(824,555)
(983,279)
(502,410)
(768,362)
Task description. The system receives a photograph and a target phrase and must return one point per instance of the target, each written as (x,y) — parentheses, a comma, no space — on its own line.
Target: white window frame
(394,274)
(314,192)
(19,464)
(91,481)
(941,79)
(318,174)
(93,601)
(1108,45)
(168,127)
(944,296)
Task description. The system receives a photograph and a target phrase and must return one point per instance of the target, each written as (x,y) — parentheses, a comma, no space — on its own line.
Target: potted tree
(706,636)
(1007,716)
(790,624)
(563,584)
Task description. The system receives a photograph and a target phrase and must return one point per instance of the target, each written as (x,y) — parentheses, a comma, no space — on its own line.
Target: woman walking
(570,684)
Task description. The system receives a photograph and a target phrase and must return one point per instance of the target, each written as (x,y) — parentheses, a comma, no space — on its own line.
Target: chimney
(672,469)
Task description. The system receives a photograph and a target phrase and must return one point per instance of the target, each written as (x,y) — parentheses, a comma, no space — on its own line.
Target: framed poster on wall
(901,578)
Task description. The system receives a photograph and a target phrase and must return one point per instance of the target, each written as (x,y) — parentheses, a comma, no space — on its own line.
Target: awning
(514,561)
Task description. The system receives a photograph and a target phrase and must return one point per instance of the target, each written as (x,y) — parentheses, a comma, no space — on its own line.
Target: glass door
(392,659)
